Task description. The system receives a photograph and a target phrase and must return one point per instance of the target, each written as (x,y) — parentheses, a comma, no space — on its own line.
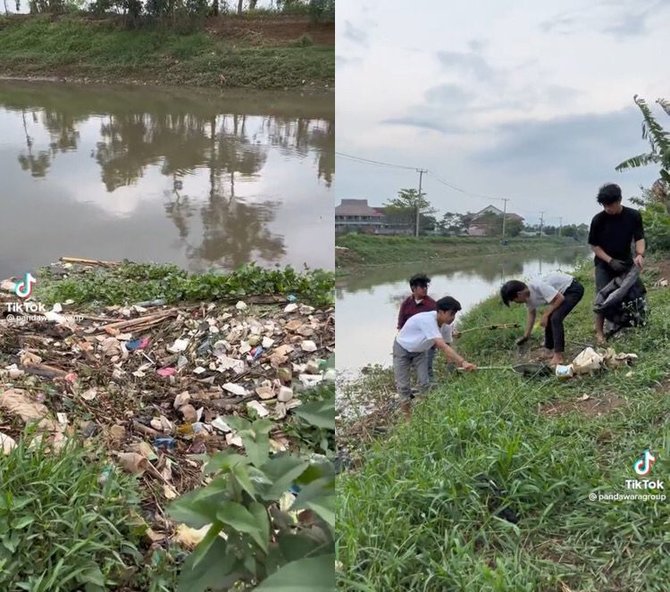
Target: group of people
(425,325)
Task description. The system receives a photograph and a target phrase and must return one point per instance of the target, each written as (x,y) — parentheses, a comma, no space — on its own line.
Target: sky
(524,100)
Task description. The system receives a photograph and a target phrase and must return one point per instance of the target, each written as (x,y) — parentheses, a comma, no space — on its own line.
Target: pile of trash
(589,361)
(154,382)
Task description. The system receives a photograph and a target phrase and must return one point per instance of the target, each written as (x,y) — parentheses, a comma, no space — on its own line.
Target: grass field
(83,49)
(487,487)
(360,249)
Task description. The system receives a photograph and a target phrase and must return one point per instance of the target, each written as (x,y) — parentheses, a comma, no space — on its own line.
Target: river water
(199,178)
(367,302)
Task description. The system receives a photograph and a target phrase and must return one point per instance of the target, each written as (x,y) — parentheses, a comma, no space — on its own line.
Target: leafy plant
(134,282)
(60,529)
(258,534)
(655,201)
(313,423)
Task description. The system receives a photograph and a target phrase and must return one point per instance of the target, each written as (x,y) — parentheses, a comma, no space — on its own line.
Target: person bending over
(560,293)
(418,335)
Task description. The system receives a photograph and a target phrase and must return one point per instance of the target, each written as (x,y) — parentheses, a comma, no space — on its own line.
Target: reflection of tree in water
(236,233)
(302,135)
(63,137)
(182,141)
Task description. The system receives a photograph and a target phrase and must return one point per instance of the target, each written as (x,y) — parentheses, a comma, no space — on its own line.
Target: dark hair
(609,194)
(448,303)
(419,280)
(510,290)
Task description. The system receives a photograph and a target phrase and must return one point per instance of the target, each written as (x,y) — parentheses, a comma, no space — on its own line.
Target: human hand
(544,321)
(522,340)
(639,261)
(455,334)
(468,367)
(618,266)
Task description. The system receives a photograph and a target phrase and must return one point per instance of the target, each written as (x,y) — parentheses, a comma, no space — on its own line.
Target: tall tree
(404,208)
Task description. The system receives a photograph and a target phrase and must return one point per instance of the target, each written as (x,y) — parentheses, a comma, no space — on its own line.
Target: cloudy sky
(524,100)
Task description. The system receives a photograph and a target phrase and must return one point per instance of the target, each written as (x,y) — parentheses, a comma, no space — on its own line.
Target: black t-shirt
(614,233)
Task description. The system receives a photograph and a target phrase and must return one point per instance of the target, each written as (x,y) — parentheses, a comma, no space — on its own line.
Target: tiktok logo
(643,465)
(25,287)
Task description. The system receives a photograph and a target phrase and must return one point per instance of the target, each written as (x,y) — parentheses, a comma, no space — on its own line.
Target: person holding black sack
(610,236)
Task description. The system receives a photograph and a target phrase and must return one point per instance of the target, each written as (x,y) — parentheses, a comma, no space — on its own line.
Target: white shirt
(420,331)
(543,290)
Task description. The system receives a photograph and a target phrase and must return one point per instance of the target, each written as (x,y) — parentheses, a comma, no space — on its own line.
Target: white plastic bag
(587,361)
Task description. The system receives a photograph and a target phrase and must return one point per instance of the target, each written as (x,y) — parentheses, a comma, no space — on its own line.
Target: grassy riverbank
(358,249)
(420,515)
(229,52)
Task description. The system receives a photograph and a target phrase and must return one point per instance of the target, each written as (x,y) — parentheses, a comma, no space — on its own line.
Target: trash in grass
(154,387)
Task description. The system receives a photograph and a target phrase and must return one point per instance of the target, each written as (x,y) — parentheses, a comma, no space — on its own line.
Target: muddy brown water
(367,302)
(203,179)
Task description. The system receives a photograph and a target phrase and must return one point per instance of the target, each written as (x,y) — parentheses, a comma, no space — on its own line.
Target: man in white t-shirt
(561,292)
(421,332)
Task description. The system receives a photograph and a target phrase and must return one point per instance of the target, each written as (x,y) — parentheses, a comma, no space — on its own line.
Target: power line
(433,174)
(459,189)
(376,162)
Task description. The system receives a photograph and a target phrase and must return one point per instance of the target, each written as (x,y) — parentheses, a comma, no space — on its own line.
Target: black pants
(554,335)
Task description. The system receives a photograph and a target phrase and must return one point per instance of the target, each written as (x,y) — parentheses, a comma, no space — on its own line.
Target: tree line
(179,10)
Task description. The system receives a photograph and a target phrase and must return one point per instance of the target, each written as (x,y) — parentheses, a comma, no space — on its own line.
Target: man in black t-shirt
(610,236)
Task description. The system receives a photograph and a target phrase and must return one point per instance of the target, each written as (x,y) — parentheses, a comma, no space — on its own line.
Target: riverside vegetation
(359,249)
(487,487)
(258,50)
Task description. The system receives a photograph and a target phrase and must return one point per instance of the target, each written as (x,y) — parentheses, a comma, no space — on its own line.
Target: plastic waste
(136,344)
(149,303)
(587,361)
(166,443)
(565,371)
(292,298)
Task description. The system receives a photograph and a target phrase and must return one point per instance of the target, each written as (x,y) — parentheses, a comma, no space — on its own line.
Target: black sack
(623,302)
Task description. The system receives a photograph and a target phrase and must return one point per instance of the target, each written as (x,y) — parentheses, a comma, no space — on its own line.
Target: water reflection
(367,303)
(234,174)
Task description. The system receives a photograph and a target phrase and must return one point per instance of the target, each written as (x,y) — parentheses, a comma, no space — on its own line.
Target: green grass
(98,51)
(136,282)
(379,250)
(415,516)
(61,529)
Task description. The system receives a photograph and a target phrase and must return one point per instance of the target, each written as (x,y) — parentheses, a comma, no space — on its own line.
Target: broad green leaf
(241,475)
(225,460)
(239,424)
(316,470)
(314,574)
(237,516)
(195,508)
(296,546)
(318,496)
(206,544)
(260,513)
(257,446)
(318,413)
(218,570)
(282,472)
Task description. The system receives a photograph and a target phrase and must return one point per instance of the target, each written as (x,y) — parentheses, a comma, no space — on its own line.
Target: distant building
(355,215)
(480,226)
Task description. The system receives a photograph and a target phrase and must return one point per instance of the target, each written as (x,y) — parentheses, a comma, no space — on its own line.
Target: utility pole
(541,222)
(505,200)
(418,201)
